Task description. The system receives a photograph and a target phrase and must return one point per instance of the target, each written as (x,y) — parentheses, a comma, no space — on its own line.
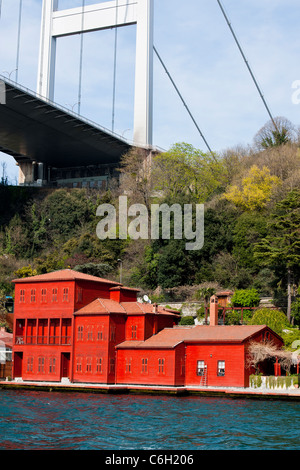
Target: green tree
(245,298)
(25,271)
(3,311)
(174,267)
(37,223)
(274,319)
(66,212)
(295,308)
(249,228)
(281,247)
(94,269)
(17,240)
(184,170)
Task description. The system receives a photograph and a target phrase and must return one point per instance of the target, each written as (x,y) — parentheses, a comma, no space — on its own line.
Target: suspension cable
(81,58)
(115,69)
(184,103)
(247,64)
(19,40)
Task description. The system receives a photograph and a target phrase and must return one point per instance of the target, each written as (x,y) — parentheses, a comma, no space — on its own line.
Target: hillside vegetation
(251,236)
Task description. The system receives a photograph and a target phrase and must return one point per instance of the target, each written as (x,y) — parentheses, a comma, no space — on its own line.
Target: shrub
(187,320)
(232,317)
(245,298)
(274,319)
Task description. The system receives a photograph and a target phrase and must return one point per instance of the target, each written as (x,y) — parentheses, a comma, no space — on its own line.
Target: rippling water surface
(44,420)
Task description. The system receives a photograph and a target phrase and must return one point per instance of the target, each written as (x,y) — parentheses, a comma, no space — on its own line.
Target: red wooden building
(81,328)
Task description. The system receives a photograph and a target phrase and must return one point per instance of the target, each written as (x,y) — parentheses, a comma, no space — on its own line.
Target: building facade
(6,343)
(70,326)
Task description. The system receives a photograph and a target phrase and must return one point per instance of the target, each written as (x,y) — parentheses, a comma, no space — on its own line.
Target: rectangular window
(80,333)
(78,364)
(133,331)
(52,364)
(128,365)
(221,368)
(41,365)
(144,365)
(54,295)
(29,364)
(66,294)
(89,364)
(44,295)
(22,295)
(100,334)
(161,366)
(32,295)
(200,368)
(90,334)
(99,365)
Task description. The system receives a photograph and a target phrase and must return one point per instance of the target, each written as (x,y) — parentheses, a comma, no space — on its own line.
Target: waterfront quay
(229,392)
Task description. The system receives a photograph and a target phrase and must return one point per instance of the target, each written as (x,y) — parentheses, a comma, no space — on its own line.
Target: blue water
(33,420)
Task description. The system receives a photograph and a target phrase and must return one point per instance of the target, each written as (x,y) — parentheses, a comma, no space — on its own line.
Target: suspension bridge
(54,145)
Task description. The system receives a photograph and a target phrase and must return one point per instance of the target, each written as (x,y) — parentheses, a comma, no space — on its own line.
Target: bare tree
(274,134)
(136,180)
(4,179)
(259,352)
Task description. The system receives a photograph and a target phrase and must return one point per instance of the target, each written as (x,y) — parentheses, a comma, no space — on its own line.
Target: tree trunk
(289,299)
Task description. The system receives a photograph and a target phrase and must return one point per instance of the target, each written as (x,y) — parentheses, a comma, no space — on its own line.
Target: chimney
(155,308)
(213,311)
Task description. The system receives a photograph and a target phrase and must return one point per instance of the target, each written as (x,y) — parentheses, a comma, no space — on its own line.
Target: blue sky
(199,51)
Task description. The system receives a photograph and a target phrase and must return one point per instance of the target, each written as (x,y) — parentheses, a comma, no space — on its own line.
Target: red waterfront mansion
(73,326)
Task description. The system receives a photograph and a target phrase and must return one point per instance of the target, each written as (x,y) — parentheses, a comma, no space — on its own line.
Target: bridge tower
(106,15)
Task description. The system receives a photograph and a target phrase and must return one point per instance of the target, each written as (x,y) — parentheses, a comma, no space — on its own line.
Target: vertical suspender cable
(81,58)
(247,63)
(115,70)
(18,42)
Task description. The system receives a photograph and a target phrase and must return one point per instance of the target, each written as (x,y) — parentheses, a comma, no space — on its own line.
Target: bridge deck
(33,129)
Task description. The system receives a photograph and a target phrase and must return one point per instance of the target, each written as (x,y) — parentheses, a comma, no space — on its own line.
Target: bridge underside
(52,144)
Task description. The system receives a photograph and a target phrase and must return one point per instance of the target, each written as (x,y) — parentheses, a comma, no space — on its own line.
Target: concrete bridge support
(106,15)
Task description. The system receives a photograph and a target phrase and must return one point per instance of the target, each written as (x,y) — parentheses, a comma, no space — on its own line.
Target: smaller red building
(81,328)
(6,344)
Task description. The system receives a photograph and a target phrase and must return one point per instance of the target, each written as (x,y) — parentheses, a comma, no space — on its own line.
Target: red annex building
(81,328)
